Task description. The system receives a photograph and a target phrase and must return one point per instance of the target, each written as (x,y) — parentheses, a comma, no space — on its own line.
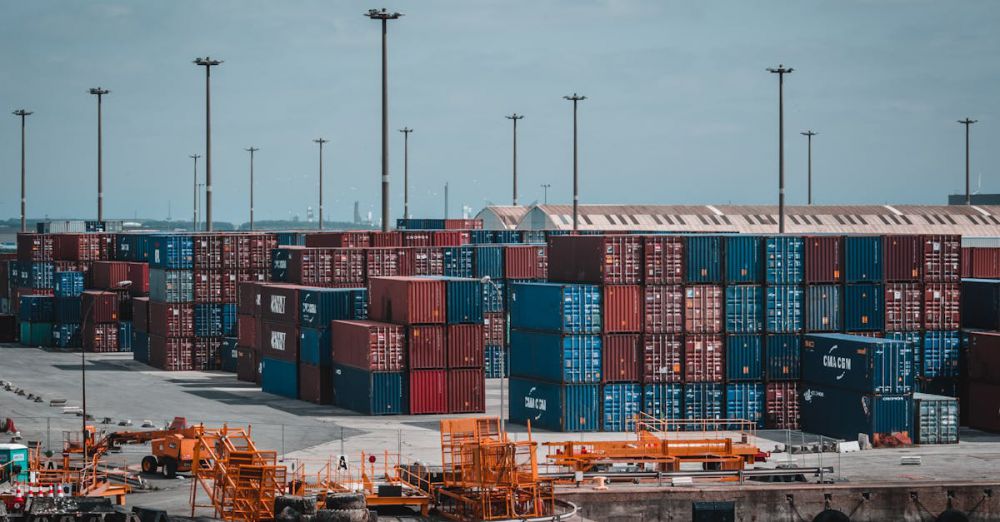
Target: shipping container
(985,262)
(384,262)
(494,298)
(248,298)
(34,247)
(623,308)
(36,334)
(370,393)
(743,263)
(822,258)
(208,286)
(704,358)
(425,261)
(863,259)
(171,251)
(489,261)
(940,354)
(428,391)
(494,329)
(663,309)
(458,261)
(621,357)
(465,345)
(449,238)
(463,300)
(982,351)
(703,259)
(784,309)
(663,401)
(556,357)
(744,357)
(345,239)
(37,308)
(663,260)
(556,307)
(621,405)
(942,258)
(602,259)
(980,303)
(783,260)
(280,303)
(369,345)
(109,275)
(98,306)
(745,401)
(170,354)
(935,419)
(67,335)
(171,319)
(702,401)
(407,300)
(662,358)
(171,286)
(984,412)
(248,330)
(67,284)
(782,405)
(207,320)
(845,413)
(903,257)
(319,306)
(942,303)
(864,309)
(247,367)
(315,384)
(555,407)
(822,308)
(703,309)
(227,355)
(913,340)
(966,261)
(744,308)
(496,362)
(386,239)
(315,346)
(205,356)
(279,262)
(903,305)
(99,337)
(525,262)
(279,341)
(426,347)
(466,390)
(140,346)
(782,356)
(280,377)
(857,363)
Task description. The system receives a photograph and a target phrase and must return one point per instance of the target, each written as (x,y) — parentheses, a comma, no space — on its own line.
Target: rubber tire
(346,501)
(170,468)
(149,464)
(342,515)
(831,515)
(952,515)
(303,505)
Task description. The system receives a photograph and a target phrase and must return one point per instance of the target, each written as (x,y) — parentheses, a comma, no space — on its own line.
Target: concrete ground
(309,435)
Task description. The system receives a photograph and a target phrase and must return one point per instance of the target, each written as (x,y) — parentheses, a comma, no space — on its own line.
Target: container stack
(278,340)
(982,382)
(32,274)
(318,308)
(128,281)
(36,315)
(171,302)
(67,310)
(761,295)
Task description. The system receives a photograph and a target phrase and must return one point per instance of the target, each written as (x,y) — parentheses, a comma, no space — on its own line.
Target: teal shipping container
(140,346)
(458,261)
(702,401)
(663,401)
(744,357)
(556,357)
(12,455)
(172,251)
(463,300)
(864,308)
(494,298)
(822,309)
(315,347)
(843,413)
(745,401)
(784,309)
(784,260)
(371,393)
(935,419)
(319,306)
(863,259)
(743,264)
(622,403)
(496,362)
(782,354)
(864,364)
(556,307)
(744,308)
(939,354)
(555,407)
(914,341)
(489,261)
(703,259)
(36,334)
(279,377)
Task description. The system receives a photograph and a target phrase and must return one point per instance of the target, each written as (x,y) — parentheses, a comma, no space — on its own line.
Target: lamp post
(208,63)
(576,193)
(99,92)
(809,135)
(968,123)
(514,117)
(251,150)
(545,188)
(384,16)
(781,71)
(194,218)
(23,114)
(406,171)
(486,280)
(321,141)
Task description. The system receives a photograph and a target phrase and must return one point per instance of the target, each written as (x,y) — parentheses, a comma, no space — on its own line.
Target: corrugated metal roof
(502,217)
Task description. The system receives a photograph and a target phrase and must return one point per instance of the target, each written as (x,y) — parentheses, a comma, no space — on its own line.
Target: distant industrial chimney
(357,214)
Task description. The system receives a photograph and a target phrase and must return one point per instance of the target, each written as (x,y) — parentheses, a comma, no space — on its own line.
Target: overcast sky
(680,108)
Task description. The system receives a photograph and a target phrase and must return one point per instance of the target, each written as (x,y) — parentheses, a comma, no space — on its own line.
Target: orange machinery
(172,448)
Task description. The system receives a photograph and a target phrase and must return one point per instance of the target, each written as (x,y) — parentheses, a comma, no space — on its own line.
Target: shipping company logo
(308,308)
(534,403)
(887,398)
(280,264)
(837,362)
(278,341)
(809,394)
(277,304)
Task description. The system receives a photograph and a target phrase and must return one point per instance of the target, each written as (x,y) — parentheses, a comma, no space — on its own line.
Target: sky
(680,108)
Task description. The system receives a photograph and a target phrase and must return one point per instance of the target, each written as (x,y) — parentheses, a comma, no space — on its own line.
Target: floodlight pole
(406,171)
(576,192)
(809,135)
(781,71)
(23,114)
(968,123)
(514,117)
(251,150)
(208,63)
(321,141)
(99,92)
(384,16)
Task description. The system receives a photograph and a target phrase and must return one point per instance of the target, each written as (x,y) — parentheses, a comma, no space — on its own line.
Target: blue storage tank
(843,413)
(229,319)
(173,251)
(489,261)
(496,362)
(207,320)
(663,401)
(940,354)
(784,260)
(555,407)
(125,336)
(36,308)
(371,393)
(744,308)
(745,401)
(281,378)
(66,335)
(864,308)
(556,307)
(743,259)
(853,362)
(784,309)
(702,400)
(782,354)
(703,259)
(68,284)
(463,300)
(279,264)
(493,297)
(822,309)
(622,403)
(140,346)
(862,259)
(171,286)
(319,306)
(744,357)
(67,309)
(555,357)
(458,260)
(315,346)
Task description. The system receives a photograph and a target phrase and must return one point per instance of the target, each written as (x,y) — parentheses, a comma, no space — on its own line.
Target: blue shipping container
(68,284)
(140,346)
(315,347)
(172,251)
(663,401)
(702,400)
(125,336)
(291,239)
(207,320)
(853,362)
(66,335)
(555,357)
(743,259)
(280,377)
(227,354)
(39,275)
(508,237)
(703,259)
(940,354)
(914,341)
(745,401)
(535,237)
(744,357)
(458,260)
(489,261)
(622,403)
(784,260)
(371,393)
(481,237)
(36,308)
(784,309)
(319,306)
(496,362)
(555,407)
(463,300)
(494,299)
(229,319)
(842,413)
(171,286)
(782,354)
(556,307)
(864,308)
(822,309)
(744,308)
(862,258)
(279,264)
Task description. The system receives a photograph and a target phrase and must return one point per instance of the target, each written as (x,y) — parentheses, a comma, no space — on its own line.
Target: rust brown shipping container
(386,239)
(99,337)
(465,345)
(703,358)
(171,354)
(609,259)
(663,259)
(967,262)
(903,259)
(248,298)
(942,258)
(229,282)
(942,306)
(138,274)
(205,355)
(34,247)
(703,309)
(315,384)
(428,391)
(463,224)
(252,275)
(278,341)
(407,300)
(80,247)
(986,262)
(662,358)
(426,346)
(903,305)
(110,275)
(822,257)
(983,406)
(449,238)
(254,250)
(348,239)
(621,357)
(279,303)
(369,345)
(525,261)
(466,391)
(207,286)
(623,308)
(247,330)
(782,405)
(383,262)
(171,319)
(494,329)
(207,251)
(247,369)
(663,309)
(422,261)
(140,314)
(417,238)
(983,357)
(99,307)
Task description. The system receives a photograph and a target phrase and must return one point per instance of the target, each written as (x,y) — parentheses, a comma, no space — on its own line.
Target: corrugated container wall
(903,257)
(663,308)
(426,346)
(703,309)
(942,258)
(784,309)
(903,304)
(466,391)
(942,305)
(864,309)
(939,354)
(744,358)
(489,261)
(980,303)
(663,401)
(557,407)
(555,307)
(608,259)
(662,358)
(843,413)
(744,308)
(782,405)
(428,392)
(623,308)
(664,259)
(703,358)
(371,393)
(863,258)
(463,300)
(745,401)
(555,357)
(407,300)
(935,419)
(622,403)
(703,401)
(703,259)
(783,260)
(621,357)
(368,345)
(465,345)
(782,355)
(743,264)
(822,309)
(857,363)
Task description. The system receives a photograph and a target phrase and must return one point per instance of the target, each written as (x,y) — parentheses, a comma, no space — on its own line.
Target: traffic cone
(52,492)
(62,492)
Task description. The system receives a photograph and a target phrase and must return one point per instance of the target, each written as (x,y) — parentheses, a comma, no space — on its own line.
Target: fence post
(282,442)
(48,433)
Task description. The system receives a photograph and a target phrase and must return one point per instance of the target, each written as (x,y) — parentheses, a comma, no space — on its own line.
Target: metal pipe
(194,218)
(321,141)
(23,114)
(545,188)
(809,135)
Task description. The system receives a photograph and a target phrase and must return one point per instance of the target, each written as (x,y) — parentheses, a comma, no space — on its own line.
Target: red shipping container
(4,279)
(207,250)
(171,354)
(247,330)
(703,358)
(386,239)
(140,314)
(383,262)
(463,224)
(109,275)
(494,329)
(248,298)
(623,308)
(278,341)
(229,280)
(279,303)
(428,392)
(369,345)
(466,391)
(426,346)
(465,345)
(171,319)
(100,337)
(902,257)
(663,259)
(327,266)
(986,262)
(422,261)
(444,238)
(205,356)
(80,247)
(247,369)
(34,247)
(207,286)
(782,405)
(417,239)
(703,309)
(662,358)
(315,384)
(254,250)
(8,329)
(99,307)
(967,262)
(350,239)
(983,410)
(621,357)
(822,257)
(876,335)
(942,258)
(406,300)
(525,261)
(252,275)
(903,304)
(612,259)
(983,355)
(663,309)
(138,274)
(941,306)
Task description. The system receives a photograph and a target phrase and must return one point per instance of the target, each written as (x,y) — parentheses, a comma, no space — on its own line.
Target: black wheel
(342,515)
(831,515)
(345,501)
(952,515)
(149,464)
(170,468)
